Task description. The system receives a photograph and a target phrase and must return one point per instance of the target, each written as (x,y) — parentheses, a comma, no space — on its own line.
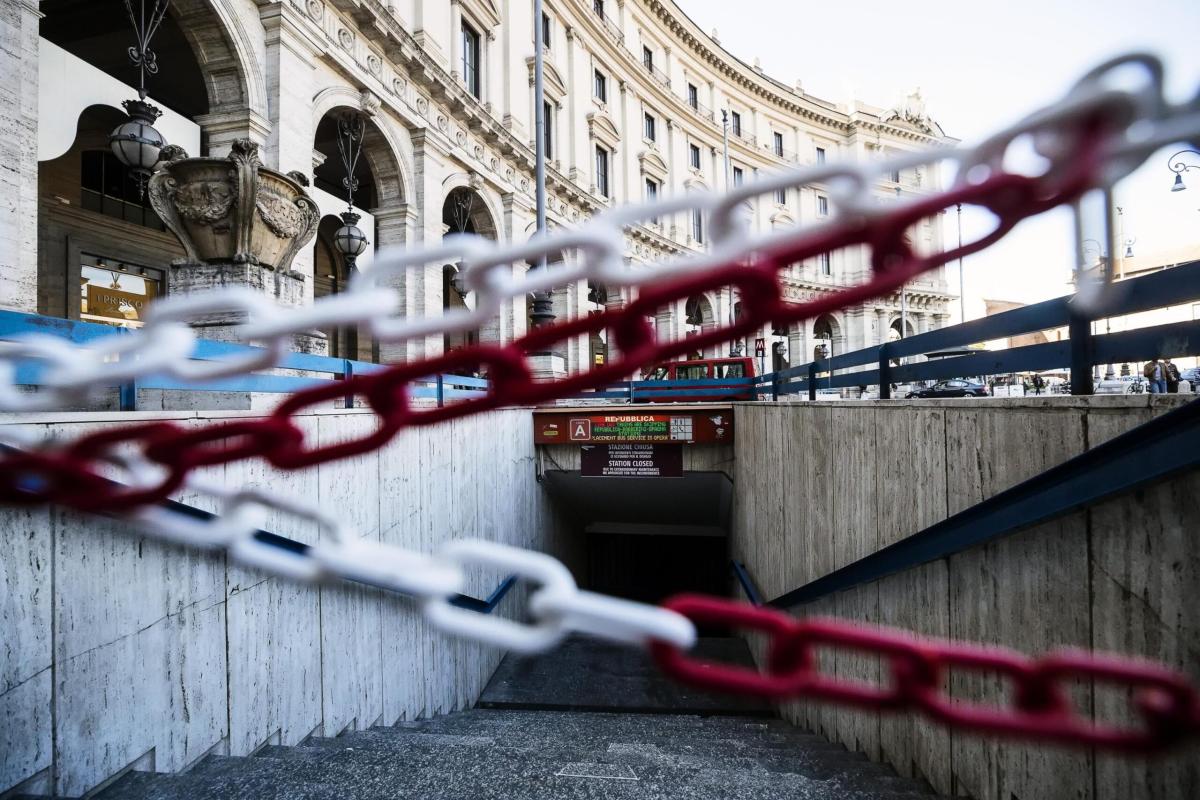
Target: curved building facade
(635,96)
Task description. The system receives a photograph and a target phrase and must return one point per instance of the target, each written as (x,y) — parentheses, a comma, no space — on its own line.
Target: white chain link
(595,251)
(557,608)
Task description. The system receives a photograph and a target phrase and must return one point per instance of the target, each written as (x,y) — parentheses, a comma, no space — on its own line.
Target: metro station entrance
(645,494)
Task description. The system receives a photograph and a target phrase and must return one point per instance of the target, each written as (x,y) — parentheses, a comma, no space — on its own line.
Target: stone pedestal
(546,366)
(285,288)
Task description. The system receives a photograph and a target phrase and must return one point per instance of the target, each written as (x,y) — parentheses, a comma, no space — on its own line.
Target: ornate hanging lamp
(349,239)
(135,142)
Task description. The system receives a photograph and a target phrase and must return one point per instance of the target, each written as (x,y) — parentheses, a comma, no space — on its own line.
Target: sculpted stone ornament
(233,210)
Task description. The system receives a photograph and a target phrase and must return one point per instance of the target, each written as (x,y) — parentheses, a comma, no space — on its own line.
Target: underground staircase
(586,721)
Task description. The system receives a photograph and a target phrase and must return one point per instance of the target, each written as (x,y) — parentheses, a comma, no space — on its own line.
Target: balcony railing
(702,111)
(745,136)
(613,29)
(784,154)
(657,74)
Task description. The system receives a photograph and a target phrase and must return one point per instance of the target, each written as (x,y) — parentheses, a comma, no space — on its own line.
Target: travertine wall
(117,649)
(855,477)
(18,154)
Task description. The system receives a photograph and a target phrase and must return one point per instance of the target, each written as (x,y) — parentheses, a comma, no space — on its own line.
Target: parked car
(954,388)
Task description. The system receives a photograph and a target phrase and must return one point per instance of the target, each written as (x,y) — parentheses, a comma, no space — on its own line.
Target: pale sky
(981,66)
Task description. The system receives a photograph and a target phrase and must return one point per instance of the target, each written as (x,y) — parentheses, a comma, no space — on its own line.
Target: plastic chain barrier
(1167,705)
(1099,132)
(917,671)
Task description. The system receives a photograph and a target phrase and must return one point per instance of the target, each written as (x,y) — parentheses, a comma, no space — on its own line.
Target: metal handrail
(29,373)
(703,111)
(1165,288)
(748,138)
(613,29)
(657,74)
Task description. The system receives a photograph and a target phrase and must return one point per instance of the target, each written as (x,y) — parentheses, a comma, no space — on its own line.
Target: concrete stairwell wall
(118,650)
(820,485)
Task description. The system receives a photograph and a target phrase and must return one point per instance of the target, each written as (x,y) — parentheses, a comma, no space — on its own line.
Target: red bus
(700,369)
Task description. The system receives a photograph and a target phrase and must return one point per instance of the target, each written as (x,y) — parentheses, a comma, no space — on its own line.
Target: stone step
(409,754)
(567,722)
(244,783)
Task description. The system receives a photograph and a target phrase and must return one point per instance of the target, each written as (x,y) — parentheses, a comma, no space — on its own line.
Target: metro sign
(580,430)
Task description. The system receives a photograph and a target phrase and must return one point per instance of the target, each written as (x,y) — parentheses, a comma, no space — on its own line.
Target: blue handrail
(14,324)
(1168,287)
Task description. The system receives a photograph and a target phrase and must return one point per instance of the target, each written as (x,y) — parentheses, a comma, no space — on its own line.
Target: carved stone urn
(233,210)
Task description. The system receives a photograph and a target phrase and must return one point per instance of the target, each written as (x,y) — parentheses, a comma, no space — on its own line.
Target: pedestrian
(1155,376)
(1172,375)
(1039,383)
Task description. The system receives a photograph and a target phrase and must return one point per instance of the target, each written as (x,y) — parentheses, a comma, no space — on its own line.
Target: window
(822,206)
(108,188)
(651,190)
(895,176)
(735,123)
(598,7)
(781,196)
(470,59)
(778,141)
(692,372)
(548,131)
(697,226)
(820,155)
(739,176)
(649,128)
(600,87)
(647,57)
(826,264)
(602,171)
(734,370)
(547,31)
(116,294)
(694,156)
(693,96)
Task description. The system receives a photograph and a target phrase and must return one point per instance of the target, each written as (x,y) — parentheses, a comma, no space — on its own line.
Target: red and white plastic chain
(1094,142)
(1086,140)
(917,671)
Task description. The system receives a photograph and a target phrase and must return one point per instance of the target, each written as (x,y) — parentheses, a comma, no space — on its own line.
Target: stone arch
(234,77)
(384,150)
(490,203)
(828,327)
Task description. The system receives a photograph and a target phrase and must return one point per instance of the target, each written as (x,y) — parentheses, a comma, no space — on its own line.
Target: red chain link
(916,674)
(71,474)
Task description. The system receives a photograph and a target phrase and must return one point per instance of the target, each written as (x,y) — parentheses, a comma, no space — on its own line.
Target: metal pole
(725,151)
(962,292)
(543,305)
(539,100)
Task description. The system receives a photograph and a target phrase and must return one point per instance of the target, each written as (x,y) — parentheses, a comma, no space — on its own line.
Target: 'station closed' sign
(631,461)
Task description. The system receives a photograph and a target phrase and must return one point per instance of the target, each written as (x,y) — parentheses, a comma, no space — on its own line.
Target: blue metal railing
(1081,352)
(437,387)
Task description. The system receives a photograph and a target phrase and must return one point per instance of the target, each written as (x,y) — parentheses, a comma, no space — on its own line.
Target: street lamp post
(349,239)
(733,349)
(1180,167)
(135,142)
(542,312)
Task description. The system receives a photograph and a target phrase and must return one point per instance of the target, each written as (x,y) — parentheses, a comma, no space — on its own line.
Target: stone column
(290,63)
(398,226)
(881,326)
(18,155)
(456,40)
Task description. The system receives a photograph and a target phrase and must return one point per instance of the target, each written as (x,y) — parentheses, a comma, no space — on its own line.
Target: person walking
(1156,376)
(1171,372)
(1038,384)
